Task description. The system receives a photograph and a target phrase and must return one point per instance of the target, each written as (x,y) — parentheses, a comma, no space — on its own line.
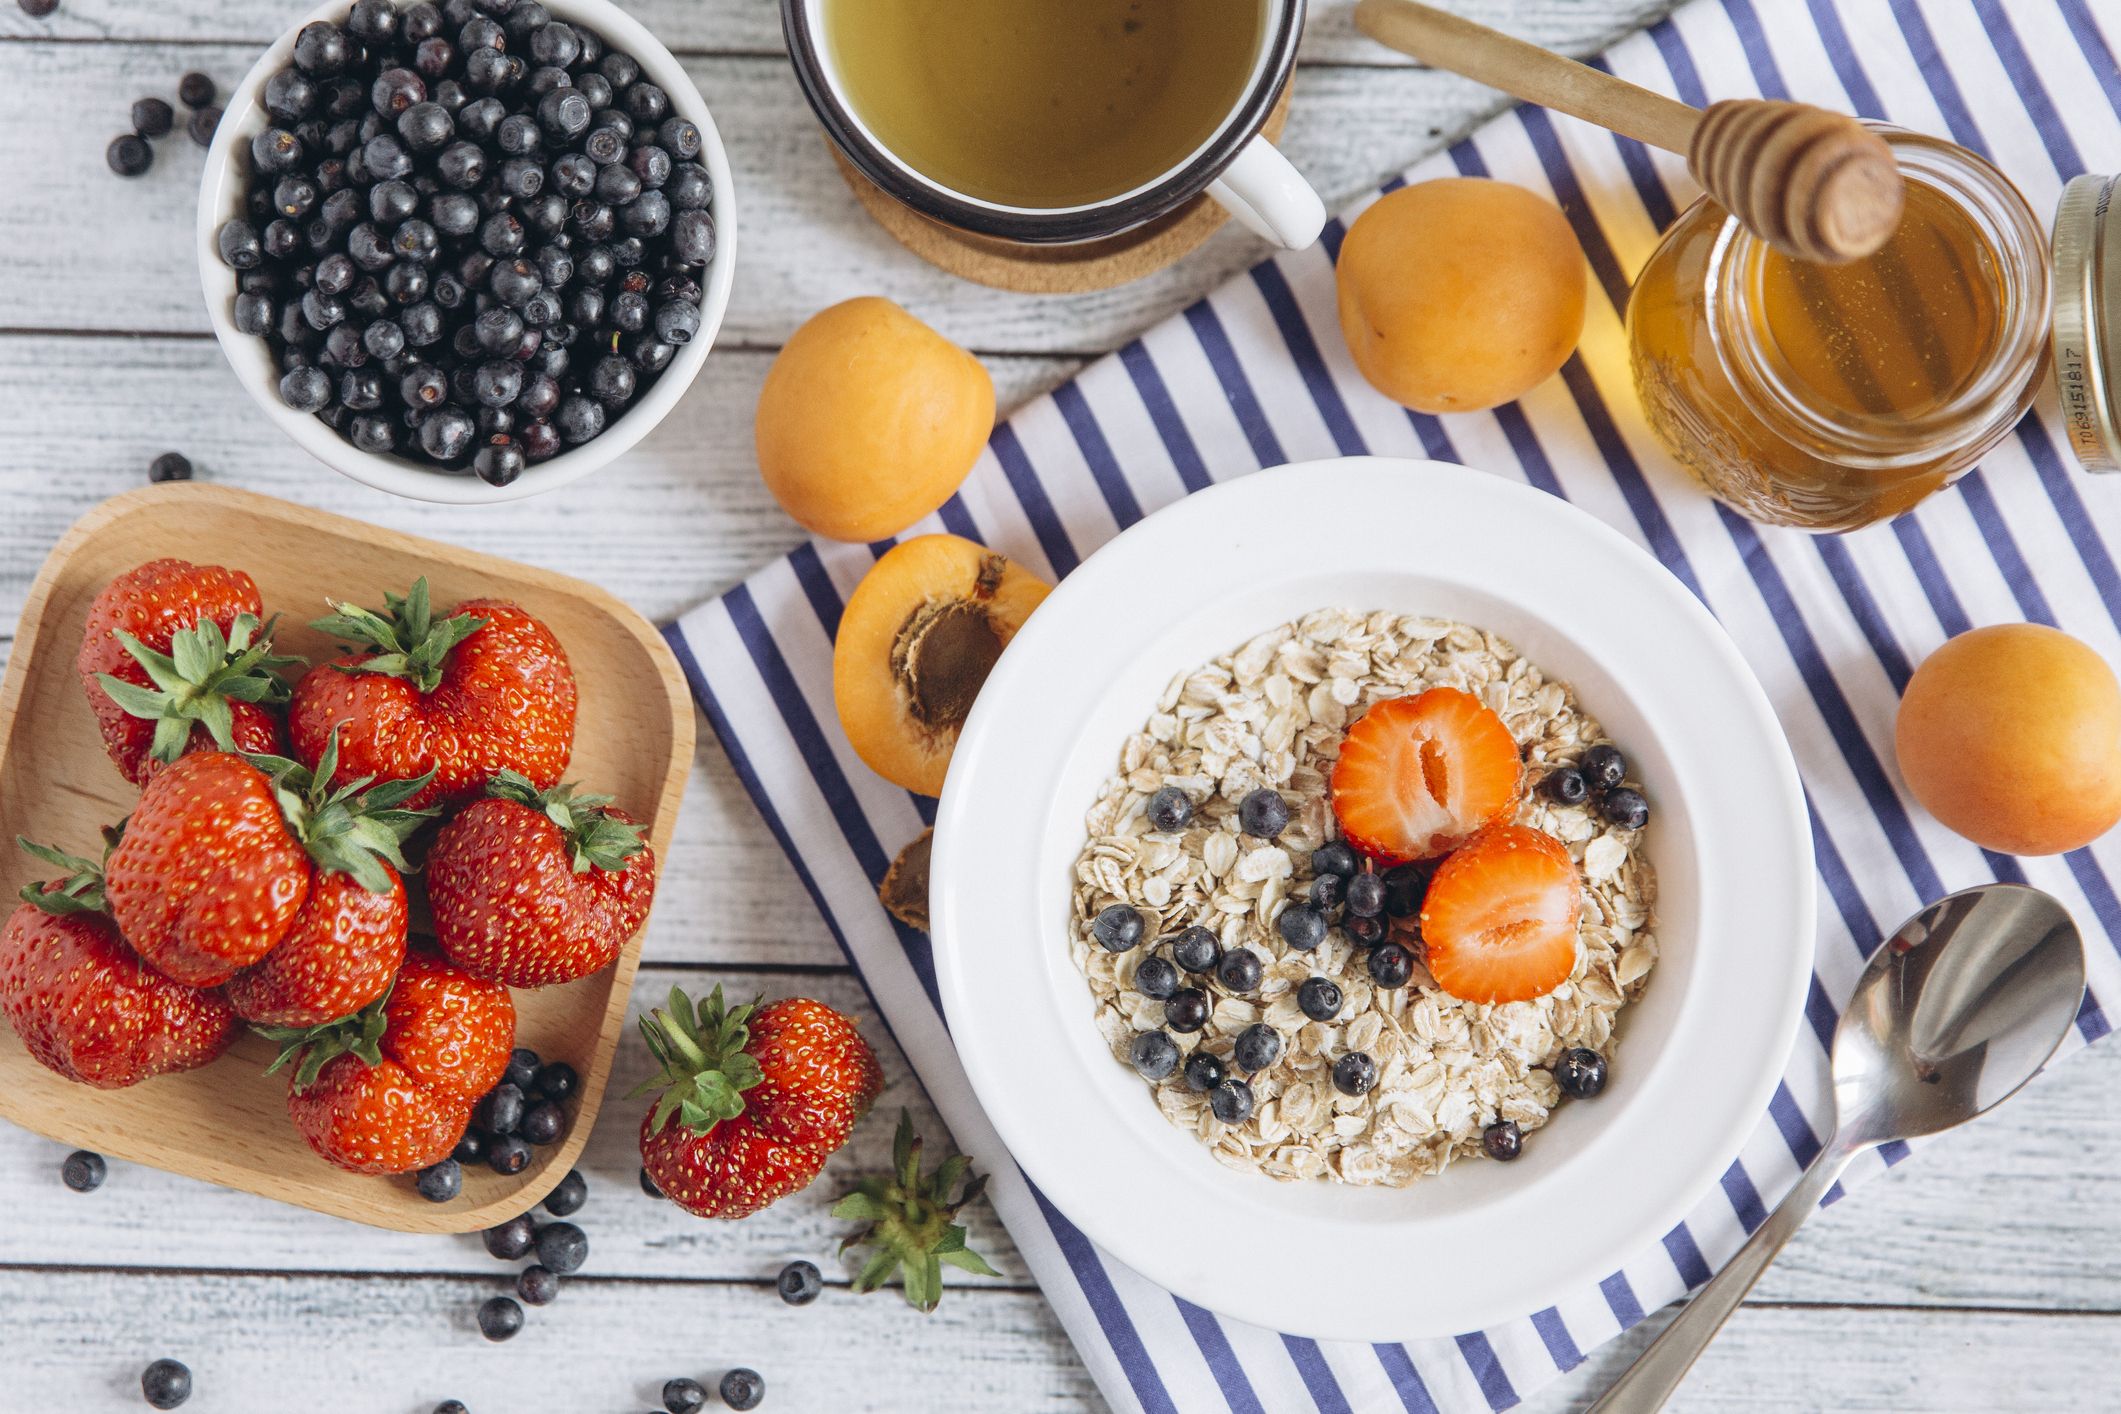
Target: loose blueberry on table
(83,1171)
(743,1389)
(524,168)
(799,1283)
(500,1318)
(538,1285)
(166,1383)
(568,1195)
(683,1396)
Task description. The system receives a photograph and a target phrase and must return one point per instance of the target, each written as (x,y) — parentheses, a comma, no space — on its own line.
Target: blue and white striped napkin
(1256,375)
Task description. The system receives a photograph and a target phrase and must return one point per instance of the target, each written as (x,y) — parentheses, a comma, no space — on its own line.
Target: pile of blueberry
(1598,779)
(130,155)
(560,1247)
(475,234)
(527,1108)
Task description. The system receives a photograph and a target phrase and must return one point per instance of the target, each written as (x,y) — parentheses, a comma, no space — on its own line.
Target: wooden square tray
(227,1123)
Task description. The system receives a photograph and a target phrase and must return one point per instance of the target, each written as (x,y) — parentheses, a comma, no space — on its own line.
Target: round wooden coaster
(1049,269)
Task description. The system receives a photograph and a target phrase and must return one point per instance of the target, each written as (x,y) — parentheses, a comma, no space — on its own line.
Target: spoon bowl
(1962,1005)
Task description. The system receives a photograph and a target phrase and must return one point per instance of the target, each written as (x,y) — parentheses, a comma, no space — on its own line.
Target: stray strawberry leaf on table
(911,1221)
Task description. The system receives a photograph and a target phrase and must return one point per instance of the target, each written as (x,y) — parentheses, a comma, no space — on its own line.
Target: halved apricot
(918,637)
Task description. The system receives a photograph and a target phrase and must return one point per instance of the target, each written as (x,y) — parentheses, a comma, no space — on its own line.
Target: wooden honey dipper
(1813,183)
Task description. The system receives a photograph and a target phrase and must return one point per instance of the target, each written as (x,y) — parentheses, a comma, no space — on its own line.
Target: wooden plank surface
(1976,1277)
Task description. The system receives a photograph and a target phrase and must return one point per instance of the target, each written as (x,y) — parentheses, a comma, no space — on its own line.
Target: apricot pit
(916,642)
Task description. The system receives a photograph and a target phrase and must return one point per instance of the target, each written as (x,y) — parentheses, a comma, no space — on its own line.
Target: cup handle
(1270,197)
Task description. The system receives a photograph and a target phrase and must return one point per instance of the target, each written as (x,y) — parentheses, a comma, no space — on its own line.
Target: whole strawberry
(390,1089)
(84,1003)
(174,658)
(532,888)
(219,867)
(483,690)
(753,1099)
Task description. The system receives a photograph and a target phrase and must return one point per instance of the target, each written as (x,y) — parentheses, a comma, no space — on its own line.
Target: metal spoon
(1956,1010)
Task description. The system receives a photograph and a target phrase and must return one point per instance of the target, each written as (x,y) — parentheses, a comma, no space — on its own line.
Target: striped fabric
(1257,374)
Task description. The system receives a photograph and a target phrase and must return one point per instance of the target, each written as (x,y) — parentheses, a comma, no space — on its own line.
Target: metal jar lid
(2087,329)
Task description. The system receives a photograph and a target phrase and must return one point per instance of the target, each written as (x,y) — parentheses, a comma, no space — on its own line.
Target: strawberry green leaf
(910,1221)
(703,1069)
(309,1049)
(404,641)
(78,889)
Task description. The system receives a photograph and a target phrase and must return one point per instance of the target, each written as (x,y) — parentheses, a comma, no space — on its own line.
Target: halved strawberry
(1418,775)
(1500,918)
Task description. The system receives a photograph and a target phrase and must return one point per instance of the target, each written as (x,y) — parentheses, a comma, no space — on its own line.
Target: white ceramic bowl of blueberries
(639,272)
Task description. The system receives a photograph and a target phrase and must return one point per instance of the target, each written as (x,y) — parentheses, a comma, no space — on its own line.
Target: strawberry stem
(704,1068)
(310,1048)
(350,828)
(912,1221)
(404,641)
(596,838)
(79,889)
(195,681)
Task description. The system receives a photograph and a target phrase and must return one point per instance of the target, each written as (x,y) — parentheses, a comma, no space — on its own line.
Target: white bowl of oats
(1226,646)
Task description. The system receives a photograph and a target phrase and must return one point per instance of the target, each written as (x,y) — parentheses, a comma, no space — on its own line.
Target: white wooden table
(1978,1278)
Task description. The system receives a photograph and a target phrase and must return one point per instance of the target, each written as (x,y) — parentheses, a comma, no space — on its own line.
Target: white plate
(1697,1058)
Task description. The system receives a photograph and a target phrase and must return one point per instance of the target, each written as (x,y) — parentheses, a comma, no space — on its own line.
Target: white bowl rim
(1530,1239)
(220,190)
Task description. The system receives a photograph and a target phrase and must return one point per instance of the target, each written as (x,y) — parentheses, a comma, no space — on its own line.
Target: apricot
(917,639)
(1459,294)
(869,420)
(2011,736)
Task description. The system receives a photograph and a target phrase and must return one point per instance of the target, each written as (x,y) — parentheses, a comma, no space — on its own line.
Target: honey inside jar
(1830,397)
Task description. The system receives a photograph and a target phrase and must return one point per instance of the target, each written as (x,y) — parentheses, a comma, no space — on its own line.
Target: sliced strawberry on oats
(1499,922)
(1418,775)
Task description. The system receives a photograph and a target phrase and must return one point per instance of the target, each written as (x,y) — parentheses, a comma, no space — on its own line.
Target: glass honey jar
(1831,397)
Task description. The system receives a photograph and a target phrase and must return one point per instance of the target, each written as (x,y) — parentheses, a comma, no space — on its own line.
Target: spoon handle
(1645,1385)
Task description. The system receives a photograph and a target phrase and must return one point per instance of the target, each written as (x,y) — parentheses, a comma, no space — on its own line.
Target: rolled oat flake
(2087,319)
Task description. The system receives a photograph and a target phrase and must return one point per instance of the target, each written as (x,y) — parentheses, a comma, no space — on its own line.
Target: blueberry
(375,21)
(651,164)
(502,235)
(1334,857)
(1231,1101)
(1240,970)
(1319,997)
(1354,1073)
(1154,1054)
(1502,1140)
(537,1285)
(648,1183)
(605,146)
(1364,932)
(1565,785)
(1390,965)
(1156,978)
(612,380)
(396,91)
(544,1122)
(83,1171)
(1263,814)
(1196,949)
(1169,809)
(682,1396)
(166,1384)
(1327,892)
(511,1239)
(1117,928)
(1366,895)
(646,103)
(374,433)
(539,441)
(1604,767)
(1624,808)
(573,175)
(556,1081)
(306,389)
(388,202)
(513,283)
(383,339)
(1301,925)
(691,189)
(1203,1072)
(617,185)
(129,155)
(451,1406)
(500,1318)
(742,1388)
(1580,1072)
(622,70)
(434,57)
(596,88)
(508,1155)
(425,127)
(423,386)
(195,90)
(680,137)
(170,466)
(562,1247)
(1257,1047)
(630,310)
(290,96)
(500,1110)
(555,44)
(322,49)
(1406,885)
(496,382)
(1186,1009)
(471,1149)
(499,331)
(799,1284)
(442,1182)
(153,117)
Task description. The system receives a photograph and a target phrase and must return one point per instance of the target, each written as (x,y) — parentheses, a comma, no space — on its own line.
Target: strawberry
(340,955)
(1499,921)
(1418,775)
(391,1088)
(533,888)
(911,1221)
(754,1099)
(218,868)
(174,658)
(483,690)
(84,1003)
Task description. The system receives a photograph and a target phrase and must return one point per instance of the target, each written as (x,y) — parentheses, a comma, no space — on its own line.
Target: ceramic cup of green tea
(1059,120)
